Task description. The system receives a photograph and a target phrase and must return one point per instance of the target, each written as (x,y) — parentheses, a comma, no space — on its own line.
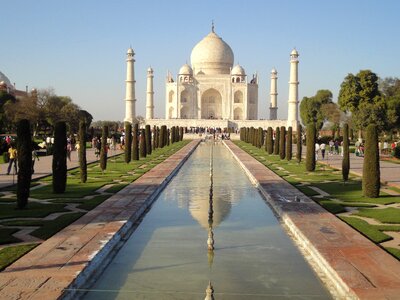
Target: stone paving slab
(355,267)
(68,260)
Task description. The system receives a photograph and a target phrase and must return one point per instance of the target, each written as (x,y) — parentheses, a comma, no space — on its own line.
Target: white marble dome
(5,80)
(185,70)
(212,56)
(238,71)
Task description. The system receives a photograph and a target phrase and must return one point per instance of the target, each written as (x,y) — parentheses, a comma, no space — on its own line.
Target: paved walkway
(354,266)
(68,260)
(390,172)
(43,166)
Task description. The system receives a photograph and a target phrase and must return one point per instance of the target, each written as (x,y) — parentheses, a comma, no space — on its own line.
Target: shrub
(371,171)
(128,142)
(180,133)
(270,141)
(82,151)
(260,137)
(173,137)
(154,137)
(346,153)
(310,142)
(60,158)
(276,142)
(282,143)
(289,143)
(396,151)
(148,139)
(142,146)
(24,152)
(135,142)
(299,144)
(163,136)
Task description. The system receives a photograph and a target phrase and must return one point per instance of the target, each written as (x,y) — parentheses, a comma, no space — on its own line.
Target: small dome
(130,51)
(185,70)
(274,71)
(150,70)
(238,70)
(294,52)
(212,55)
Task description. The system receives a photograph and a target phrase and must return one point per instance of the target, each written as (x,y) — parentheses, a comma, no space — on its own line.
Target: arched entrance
(211,104)
(238,114)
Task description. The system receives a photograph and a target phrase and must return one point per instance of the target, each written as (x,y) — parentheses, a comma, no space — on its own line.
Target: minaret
(150,95)
(273,109)
(293,105)
(130,100)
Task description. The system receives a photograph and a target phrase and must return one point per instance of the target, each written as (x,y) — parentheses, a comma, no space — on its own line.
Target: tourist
(316,151)
(322,147)
(12,153)
(34,157)
(331,144)
(385,147)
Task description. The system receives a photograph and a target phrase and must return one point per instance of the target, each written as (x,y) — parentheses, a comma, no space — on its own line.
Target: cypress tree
(82,151)
(181,132)
(168,136)
(346,153)
(142,143)
(158,137)
(270,141)
(148,139)
(163,132)
(299,144)
(282,142)
(104,148)
(289,143)
(154,137)
(59,165)
(276,142)
(173,138)
(371,171)
(310,141)
(247,135)
(135,142)
(259,137)
(128,142)
(24,159)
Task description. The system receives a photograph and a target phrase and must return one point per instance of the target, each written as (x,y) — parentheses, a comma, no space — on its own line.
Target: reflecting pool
(209,237)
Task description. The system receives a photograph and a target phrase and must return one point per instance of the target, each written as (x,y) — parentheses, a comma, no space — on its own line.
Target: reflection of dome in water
(199,206)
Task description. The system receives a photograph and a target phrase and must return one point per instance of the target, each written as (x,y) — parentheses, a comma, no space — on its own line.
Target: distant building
(6,86)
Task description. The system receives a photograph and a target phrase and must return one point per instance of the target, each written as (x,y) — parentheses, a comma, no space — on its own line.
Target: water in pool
(168,255)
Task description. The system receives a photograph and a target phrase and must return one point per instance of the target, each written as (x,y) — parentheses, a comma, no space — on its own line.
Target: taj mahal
(212,92)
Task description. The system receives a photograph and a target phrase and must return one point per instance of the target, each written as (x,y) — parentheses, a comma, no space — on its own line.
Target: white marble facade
(211,88)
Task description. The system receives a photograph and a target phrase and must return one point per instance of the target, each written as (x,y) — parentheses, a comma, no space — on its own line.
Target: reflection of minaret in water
(210,240)
(209,292)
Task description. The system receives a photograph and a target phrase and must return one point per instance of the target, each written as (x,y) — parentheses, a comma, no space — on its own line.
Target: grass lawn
(387,215)
(370,231)
(10,254)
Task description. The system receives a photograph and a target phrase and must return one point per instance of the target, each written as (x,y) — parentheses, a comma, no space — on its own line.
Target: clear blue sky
(78,47)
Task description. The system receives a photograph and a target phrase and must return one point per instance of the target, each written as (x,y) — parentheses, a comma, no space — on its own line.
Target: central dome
(212,56)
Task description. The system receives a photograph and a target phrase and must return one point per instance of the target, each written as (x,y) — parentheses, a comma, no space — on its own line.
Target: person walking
(34,157)
(12,152)
(323,148)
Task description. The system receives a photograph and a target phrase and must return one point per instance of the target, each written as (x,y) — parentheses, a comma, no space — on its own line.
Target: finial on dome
(212,25)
